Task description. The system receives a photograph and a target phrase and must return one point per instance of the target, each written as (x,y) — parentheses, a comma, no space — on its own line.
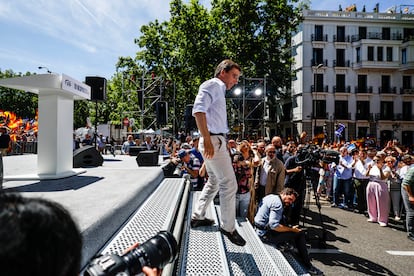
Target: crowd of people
(375,182)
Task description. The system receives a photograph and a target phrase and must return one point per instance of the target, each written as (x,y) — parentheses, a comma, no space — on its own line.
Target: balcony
(317,62)
(406,91)
(319,88)
(345,38)
(387,90)
(373,117)
(377,65)
(321,115)
(408,38)
(362,116)
(407,67)
(323,38)
(341,63)
(361,89)
(342,116)
(378,36)
(388,117)
(342,89)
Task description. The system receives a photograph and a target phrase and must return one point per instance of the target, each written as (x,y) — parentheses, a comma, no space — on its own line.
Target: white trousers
(221,177)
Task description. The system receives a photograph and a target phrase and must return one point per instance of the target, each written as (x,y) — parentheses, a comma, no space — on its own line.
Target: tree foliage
(21,103)
(188,47)
(184,51)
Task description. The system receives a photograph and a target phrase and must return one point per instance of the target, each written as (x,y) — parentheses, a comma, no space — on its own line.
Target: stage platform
(100,199)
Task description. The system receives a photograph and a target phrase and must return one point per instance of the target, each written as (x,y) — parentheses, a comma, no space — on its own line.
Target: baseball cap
(182,153)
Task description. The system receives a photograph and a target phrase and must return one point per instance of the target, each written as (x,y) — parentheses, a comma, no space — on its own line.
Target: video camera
(311,155)
(156,252)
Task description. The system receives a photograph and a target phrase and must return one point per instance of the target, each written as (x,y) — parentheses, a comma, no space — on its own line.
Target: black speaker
(87,156)
(190,122)
(134,150)
(161,108)
(147,158)
(98,88)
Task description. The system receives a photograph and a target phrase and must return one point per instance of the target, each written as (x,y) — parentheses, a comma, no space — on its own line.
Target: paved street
(357,247)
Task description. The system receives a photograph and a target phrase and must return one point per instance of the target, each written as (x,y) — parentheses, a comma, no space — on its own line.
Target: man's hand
(208,149)
(148,271)
(296,228)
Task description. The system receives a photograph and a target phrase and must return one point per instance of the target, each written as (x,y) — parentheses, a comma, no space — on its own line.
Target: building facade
(354,69)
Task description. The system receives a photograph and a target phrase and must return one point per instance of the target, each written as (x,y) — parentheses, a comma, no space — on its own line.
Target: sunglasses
(271,152)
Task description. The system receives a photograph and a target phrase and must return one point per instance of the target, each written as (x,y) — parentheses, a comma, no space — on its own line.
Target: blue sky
(85,37)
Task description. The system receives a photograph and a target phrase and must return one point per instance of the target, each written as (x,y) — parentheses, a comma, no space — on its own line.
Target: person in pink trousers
(378,198)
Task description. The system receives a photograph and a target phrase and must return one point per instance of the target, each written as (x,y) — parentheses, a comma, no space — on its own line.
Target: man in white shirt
(210,113)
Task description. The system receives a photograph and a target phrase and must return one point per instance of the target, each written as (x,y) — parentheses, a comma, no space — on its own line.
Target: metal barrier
(20,147)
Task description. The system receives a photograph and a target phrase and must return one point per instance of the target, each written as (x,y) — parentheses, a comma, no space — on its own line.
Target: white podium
(55,122)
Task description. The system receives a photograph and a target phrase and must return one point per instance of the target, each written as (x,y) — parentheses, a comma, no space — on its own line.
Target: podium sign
(55,128)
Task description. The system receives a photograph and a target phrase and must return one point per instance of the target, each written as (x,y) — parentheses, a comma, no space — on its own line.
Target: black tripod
(311,185)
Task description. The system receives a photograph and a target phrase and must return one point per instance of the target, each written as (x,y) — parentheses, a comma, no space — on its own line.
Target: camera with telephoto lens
(177,170)
(156,253)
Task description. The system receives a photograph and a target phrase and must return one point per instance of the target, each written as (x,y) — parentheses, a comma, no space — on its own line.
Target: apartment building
(354,69)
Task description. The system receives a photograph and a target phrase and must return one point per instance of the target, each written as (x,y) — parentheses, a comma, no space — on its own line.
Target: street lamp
(44,67)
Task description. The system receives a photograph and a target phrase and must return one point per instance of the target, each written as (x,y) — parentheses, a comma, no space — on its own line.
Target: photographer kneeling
(271,229)
(189,165)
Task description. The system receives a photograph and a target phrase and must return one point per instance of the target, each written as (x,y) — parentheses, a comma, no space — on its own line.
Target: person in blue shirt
(270,226)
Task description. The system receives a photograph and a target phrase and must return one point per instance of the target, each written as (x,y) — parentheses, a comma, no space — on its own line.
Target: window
(319,33)
(341,110)
(340,83)
(317,56)
(380,53)
(386,33)
(287,112)
(340,34)
(358,54)
(340,57)
(320,106)
(407,111)
(318,79)
(389,53)
(362,31)
(408,32)
(362,84)
(362,110)
(370,53)
(404,56)
(387,110)
(385,84)
(406,82)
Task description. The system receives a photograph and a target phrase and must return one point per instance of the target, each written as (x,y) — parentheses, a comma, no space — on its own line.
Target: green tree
(186,49)
(23,104)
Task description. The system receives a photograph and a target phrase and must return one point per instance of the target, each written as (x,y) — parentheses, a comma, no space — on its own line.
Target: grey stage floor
(100,199)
